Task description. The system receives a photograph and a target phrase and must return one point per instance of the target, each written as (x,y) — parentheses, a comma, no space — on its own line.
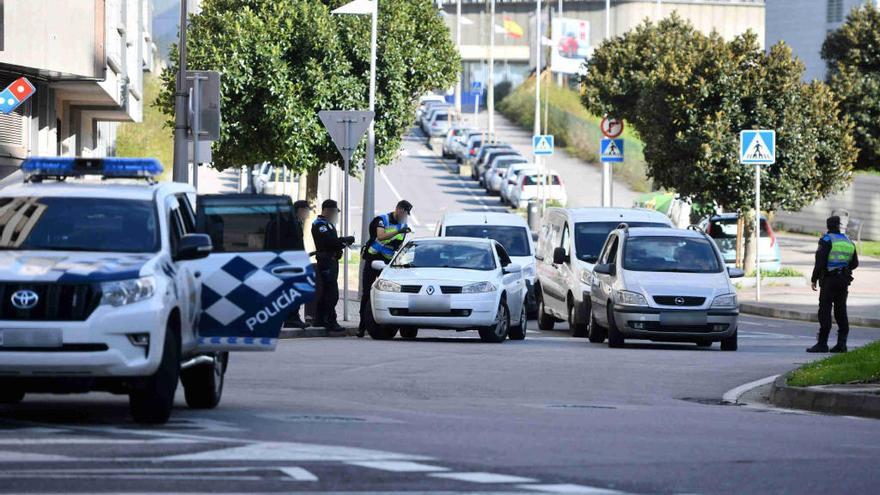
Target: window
(249,228)
(187,216)
(566,240)
(175,228)
(461,255)
(610,256)
(834,12)
(514,239)
(589,237)
(502,255)
(534,180)
(670,254)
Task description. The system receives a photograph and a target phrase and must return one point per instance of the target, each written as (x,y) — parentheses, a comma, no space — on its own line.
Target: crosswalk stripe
(482,477)
(399,466)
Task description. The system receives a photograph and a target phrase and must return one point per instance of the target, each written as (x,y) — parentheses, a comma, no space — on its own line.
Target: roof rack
(623,225)
(37,169)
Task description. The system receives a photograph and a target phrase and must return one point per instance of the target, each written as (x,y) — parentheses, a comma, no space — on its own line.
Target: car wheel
(545,321)
(203,384)
(152,401)
(10,394)
(518,331)
(596,332)
(615,338)
(575,329)
(729,343)
(409,333)
(499,330)
(704,343)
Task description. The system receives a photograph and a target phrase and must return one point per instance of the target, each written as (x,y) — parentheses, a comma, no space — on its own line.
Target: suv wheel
(152,401)
(595,331)
(499,330)
(545,321)
(518,331)
(730,343)
(615,338)
(576,329)
(409,333)
(10,394)
(203,384)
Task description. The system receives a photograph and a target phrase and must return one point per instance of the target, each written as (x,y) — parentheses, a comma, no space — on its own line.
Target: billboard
(571,45)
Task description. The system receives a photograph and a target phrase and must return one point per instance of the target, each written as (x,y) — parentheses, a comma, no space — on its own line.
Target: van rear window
(243,228)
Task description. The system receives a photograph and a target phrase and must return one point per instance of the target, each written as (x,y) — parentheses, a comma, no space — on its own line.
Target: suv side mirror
(736,272)
(193,247)
(512,268)
(378,265)
(559,256)
(605,269)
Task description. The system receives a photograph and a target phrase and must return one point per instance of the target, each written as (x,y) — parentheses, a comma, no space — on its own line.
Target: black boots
(838,348)
(818,348)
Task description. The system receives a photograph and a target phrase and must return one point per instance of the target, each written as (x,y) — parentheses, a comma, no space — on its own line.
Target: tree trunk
(309,184)
(750,243)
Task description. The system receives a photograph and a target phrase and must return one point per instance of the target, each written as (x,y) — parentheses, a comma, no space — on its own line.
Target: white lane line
(465,186)
(571,489)
(292,452)
(298,474)
(90,441)
(10,456)
(732,396)
(399,197)
(399,466)
(480,477)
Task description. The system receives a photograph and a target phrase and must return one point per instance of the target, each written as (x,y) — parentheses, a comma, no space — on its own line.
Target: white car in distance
(450,283)
(535,185)
(511,178)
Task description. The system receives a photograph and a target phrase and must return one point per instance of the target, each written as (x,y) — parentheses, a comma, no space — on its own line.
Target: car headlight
(122,292)
(725,301)
(627,298)
(587,276)
(387,285)
(478,287)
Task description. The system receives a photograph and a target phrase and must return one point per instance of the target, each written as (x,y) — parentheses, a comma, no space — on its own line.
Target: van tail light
(770,231)
(523,186)
(473,152)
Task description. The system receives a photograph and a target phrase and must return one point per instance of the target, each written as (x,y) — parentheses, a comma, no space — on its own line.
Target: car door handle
(287,270)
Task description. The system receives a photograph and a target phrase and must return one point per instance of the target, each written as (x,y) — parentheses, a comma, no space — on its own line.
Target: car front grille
(56,302)
(682,300)
(410,289)
(450,289)
(460,313)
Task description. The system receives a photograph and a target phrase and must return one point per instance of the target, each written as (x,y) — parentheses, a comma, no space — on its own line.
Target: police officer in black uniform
(836,258)
(328,251)
(301,209)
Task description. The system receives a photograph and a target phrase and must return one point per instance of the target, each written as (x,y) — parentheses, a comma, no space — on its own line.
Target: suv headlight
(587,276)
(122,292)
(478,287)
(627,298)
(387,285)
(725,301)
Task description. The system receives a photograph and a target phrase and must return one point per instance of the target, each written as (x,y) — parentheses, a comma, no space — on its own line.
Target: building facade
(86,59)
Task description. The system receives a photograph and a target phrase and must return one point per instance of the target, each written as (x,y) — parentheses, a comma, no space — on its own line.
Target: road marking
(571,489)
(293,472)
(298,474)
(399,197)
(89,441)
(399,466)
(463,183)
(11,456)
(481,477)
(732,396)
(292,452)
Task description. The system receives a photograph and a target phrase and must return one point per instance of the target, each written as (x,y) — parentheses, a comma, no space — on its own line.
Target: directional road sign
(346,128)
(542,144)
(612,127)
(611,150)
(208,103)
(757,147)
(15,94)
(476,86)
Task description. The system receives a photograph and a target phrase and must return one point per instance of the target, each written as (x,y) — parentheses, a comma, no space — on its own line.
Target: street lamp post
(458,45)
(538,162)
(179,169)
(490,78)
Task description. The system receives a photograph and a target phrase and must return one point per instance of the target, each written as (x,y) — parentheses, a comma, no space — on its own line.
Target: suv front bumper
(647,323)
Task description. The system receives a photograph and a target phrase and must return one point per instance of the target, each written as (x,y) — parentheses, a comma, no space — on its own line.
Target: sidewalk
(801,303)
(351,326)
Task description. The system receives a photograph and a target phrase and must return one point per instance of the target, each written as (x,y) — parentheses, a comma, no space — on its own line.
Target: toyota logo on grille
(25,299)
(679,301)
(430,290)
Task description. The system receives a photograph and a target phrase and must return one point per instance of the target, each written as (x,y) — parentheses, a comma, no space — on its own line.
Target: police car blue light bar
(54,166)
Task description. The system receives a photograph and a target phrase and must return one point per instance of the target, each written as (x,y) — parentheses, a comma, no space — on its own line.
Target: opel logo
(430,290)
(25,299)
(679,301)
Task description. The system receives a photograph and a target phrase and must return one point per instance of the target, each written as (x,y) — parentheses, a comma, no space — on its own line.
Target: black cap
(404,205)
(330,204)
(833,223)
(301,203)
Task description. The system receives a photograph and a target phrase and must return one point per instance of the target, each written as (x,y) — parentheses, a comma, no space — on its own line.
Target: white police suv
(109,285)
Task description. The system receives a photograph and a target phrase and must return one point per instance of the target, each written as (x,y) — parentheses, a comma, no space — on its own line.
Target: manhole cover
(579,406)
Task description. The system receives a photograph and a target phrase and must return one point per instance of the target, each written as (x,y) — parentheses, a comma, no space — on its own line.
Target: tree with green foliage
(282,61)
(852,53)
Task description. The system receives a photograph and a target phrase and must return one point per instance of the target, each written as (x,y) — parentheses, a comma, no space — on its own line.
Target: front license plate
(429,304)
(31,337)
(683,318)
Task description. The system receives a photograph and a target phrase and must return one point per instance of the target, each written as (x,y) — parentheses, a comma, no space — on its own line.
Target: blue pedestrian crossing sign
(542,144)
(611,150)
(757,147)
(476,86)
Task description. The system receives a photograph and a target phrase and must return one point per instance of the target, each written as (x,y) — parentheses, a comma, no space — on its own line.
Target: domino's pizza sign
(15,94)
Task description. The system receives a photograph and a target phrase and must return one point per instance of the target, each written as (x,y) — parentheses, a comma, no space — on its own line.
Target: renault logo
(25,299)
(430,290)
(679,301)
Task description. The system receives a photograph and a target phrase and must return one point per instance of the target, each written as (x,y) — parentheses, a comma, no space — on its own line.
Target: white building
(803,25)
(86,59)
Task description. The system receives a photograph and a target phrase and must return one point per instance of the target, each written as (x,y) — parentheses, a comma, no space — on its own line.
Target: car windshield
(514,239)
(670,254)
(463,255)
(589,237)
(78,224)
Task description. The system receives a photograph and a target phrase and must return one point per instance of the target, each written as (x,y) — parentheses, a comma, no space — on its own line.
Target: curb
(299,333)
(824,401)
(787,314)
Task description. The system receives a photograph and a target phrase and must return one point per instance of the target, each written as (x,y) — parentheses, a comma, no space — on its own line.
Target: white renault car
(450,283)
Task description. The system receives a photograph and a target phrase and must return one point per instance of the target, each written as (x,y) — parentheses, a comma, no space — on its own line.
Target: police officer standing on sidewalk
(386,236)
(301,209)
(328,251)
(836,258)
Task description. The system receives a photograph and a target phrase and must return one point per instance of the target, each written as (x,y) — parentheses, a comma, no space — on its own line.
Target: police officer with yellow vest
(387,232)
(836,258)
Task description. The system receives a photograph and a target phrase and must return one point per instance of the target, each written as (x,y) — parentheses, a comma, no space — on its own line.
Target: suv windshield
(670,254)
(589,237)
(78,224)
(514,239)
(445,255)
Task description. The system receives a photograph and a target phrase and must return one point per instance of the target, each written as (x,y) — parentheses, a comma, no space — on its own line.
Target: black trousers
(325,309)
(832,296)
(368,276)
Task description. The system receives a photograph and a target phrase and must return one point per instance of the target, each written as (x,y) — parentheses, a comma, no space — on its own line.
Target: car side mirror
(193,247)
(559,256)
(736,272)
(378,265)
(512,268)
(605,268)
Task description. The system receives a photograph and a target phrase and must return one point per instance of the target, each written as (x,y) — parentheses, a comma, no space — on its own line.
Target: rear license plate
(429,304)
(31,337)
(683,318)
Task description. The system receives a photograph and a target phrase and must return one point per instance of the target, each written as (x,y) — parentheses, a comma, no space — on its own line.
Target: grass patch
(574,128)
(150,138)
(858,366)
(782,272)
(870,248)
